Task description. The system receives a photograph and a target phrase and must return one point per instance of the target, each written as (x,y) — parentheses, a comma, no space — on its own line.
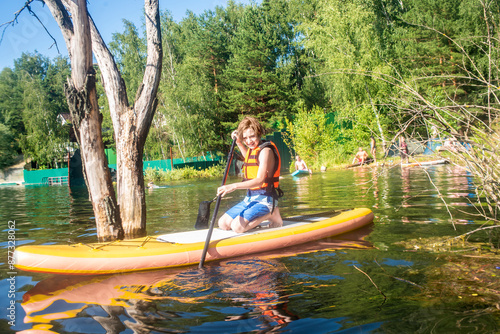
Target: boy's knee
(238,225)
(224,223)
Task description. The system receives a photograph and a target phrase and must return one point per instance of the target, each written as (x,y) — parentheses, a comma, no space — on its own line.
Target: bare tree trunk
(131,124)
(377,117)
(82,102)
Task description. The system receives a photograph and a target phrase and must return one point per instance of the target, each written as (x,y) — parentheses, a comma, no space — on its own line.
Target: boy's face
(250,138)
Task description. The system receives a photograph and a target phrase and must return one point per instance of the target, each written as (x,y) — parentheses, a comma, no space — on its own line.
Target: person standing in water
(261,172)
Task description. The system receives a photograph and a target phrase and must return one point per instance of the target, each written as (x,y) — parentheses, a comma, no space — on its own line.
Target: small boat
(425,163)
(300,172)
(184,248)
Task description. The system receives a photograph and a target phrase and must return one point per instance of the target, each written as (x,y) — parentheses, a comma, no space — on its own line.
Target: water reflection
(302,190)
(375,186)
(146,302)
(405,178)
(363,176)
(255,297)
(78,200)
(255,287)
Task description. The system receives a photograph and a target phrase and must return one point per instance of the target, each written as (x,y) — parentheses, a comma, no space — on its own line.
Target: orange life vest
(251,167)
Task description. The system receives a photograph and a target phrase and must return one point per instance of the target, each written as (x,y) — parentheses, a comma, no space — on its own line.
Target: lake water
(362,282)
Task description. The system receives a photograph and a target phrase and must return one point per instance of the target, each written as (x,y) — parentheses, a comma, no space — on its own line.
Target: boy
(261,179)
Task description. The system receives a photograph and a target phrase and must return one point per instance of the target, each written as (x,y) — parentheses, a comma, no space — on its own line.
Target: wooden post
(171,159)
(69,170)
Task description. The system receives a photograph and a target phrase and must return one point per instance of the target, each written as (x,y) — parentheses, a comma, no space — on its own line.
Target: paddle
(217,203)
(204,208)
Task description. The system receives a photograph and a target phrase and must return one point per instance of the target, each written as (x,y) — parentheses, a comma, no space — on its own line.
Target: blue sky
(28,35)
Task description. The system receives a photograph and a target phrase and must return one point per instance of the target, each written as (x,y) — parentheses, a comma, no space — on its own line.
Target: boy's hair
(250,123)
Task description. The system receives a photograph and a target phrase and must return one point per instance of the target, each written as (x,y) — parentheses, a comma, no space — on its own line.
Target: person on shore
(361,156)
(301,164)
(261,180)
(403,149)
(373,149)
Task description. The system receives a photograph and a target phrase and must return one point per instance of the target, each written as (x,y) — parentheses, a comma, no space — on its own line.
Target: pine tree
(253,85)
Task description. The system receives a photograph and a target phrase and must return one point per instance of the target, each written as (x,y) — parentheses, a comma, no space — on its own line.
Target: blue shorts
(253,206)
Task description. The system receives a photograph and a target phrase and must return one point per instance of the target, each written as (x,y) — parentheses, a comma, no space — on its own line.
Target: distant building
(64,118)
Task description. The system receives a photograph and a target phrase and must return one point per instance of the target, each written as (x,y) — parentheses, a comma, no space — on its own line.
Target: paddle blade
(203,215)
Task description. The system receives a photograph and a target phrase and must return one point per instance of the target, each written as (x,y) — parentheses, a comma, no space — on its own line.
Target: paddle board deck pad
(300,172)
(184,248)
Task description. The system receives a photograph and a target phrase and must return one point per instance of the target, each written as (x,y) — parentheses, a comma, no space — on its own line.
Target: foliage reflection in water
(362,282)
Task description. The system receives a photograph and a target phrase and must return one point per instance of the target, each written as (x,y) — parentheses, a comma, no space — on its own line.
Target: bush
(158,175)
(315,139)
(335,155)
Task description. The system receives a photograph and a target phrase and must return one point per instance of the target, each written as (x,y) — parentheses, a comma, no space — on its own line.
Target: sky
(28,35)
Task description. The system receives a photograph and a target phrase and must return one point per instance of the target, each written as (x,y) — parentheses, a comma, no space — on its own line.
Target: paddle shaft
(217,203)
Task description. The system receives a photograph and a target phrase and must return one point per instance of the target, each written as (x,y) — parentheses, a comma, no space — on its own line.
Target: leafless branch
(14,21)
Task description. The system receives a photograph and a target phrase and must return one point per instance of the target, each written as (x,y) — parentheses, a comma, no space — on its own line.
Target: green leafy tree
(310,133)
(57,74)
(11,121)
(424,55)
(195,56)
(349,45)
(302,62)
(253,86)
(41,83)
(8,147)
(479,39)
(11,103)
